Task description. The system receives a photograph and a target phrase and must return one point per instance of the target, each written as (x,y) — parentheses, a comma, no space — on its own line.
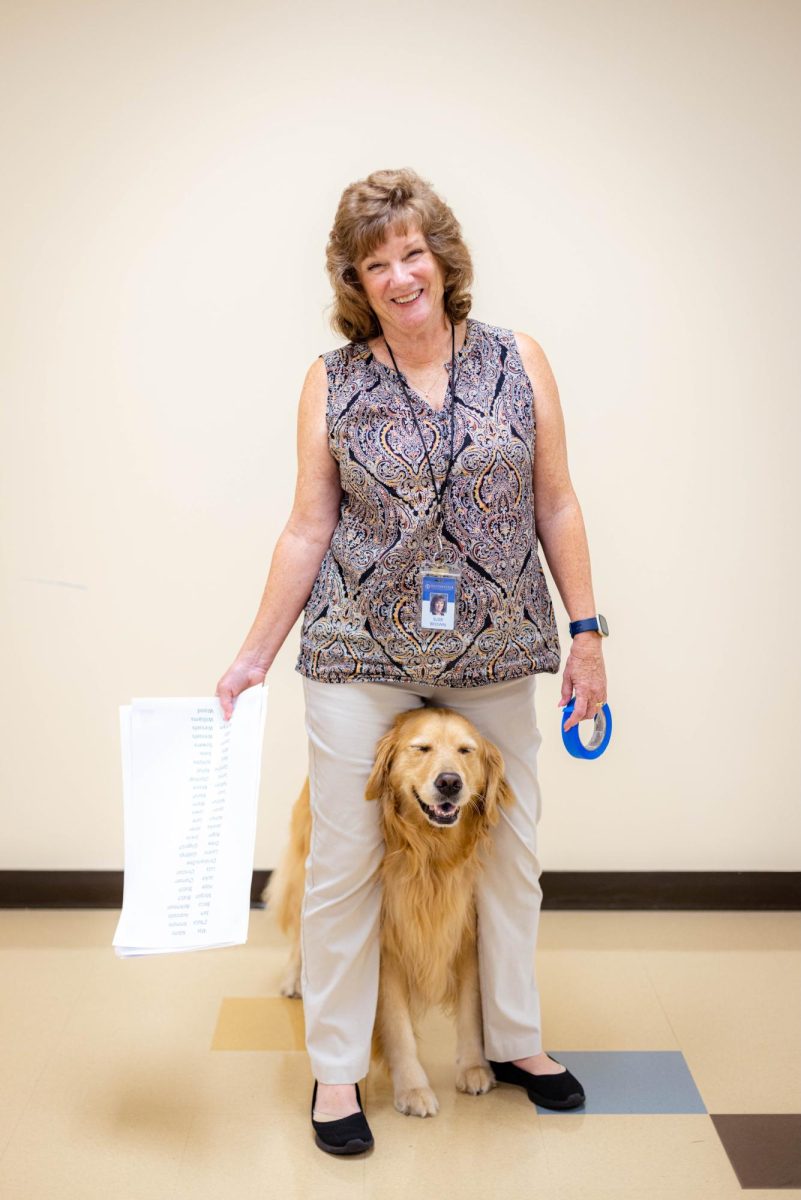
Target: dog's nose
(448,783)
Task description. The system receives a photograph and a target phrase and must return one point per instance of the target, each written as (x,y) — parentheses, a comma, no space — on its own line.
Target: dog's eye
(422,749)
(465,749)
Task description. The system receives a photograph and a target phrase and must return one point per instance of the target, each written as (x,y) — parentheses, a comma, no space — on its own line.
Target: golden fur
(434,759)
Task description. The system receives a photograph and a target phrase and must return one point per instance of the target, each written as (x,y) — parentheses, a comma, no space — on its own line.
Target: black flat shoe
(562,1090)
(348,1135)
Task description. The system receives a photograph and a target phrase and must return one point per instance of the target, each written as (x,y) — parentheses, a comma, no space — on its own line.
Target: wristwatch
(596,624)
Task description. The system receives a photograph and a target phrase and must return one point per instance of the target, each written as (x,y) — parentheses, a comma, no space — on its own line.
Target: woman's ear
(496,790)
(379,776)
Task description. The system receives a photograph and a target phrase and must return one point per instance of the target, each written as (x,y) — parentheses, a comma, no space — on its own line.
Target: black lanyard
(438,492)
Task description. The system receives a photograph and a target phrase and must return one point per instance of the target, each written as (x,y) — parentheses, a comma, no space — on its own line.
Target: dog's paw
(290,987)
(475,1080)
(417,1102)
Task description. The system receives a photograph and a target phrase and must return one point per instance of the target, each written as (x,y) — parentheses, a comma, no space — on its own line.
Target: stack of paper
(190,794)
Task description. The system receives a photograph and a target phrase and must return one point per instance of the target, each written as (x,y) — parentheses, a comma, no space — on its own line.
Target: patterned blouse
(361,621)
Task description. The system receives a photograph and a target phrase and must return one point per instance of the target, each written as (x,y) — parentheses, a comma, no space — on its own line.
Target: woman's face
(403,283)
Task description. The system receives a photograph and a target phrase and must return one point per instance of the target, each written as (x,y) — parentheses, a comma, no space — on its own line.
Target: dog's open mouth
(444,813)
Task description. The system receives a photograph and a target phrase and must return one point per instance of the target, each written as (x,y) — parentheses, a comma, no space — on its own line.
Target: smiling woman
(407,278)
(431,464)
(414,228)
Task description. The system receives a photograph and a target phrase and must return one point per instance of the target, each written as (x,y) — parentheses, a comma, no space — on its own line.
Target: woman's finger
(585,709)
(579,711)
(226,697)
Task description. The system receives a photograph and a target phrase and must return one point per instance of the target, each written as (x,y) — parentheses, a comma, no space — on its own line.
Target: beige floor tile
(67,1145)
(476,1146)
(676,1155)
(736,1017)
(45,928)
(126,1119)
(600,1000)
(140,1073)
(685,931)
(258,1158)
(40,991)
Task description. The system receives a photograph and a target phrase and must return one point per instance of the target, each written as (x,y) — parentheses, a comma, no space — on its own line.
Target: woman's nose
(401,273)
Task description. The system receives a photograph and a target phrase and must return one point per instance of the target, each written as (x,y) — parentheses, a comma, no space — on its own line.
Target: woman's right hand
(242,674)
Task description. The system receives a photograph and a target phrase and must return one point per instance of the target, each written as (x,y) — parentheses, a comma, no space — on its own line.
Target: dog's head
(433,768)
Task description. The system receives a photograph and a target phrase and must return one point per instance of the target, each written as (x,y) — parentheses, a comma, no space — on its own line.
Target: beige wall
(627,176)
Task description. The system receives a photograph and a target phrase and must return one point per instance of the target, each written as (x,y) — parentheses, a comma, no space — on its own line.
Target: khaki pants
(342,898)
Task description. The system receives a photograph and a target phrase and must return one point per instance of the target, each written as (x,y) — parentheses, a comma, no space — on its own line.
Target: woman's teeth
(407,299)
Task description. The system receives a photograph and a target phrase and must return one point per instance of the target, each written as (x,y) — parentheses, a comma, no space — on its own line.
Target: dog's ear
(496,790)
(379,776)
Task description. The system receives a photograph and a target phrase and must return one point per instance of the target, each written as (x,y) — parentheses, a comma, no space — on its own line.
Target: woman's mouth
(409,298)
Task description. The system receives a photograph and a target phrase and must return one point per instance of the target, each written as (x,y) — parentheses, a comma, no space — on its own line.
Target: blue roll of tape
(599,738)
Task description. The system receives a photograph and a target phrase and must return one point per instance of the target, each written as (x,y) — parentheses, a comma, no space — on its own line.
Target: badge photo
(439,592)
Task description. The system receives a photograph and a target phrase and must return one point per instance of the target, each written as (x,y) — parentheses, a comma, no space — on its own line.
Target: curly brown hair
(368,210)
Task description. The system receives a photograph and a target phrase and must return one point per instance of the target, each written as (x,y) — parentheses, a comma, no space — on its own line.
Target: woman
(417,475)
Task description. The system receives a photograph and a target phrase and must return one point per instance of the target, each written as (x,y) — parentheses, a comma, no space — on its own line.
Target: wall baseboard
(743,891)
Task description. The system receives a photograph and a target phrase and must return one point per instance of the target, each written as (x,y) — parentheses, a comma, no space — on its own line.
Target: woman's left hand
(585,675)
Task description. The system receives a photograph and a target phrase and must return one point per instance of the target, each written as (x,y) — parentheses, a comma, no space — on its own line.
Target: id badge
(439,596)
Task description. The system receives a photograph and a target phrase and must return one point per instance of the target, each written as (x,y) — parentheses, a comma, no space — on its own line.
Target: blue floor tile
(631,1081)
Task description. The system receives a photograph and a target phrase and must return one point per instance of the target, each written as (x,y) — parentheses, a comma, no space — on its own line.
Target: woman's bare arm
(560,530)
(299,550)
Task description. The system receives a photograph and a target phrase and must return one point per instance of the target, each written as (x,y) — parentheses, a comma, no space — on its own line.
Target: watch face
(603,625)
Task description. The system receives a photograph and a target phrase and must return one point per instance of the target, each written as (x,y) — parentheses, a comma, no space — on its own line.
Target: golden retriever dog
(439,785)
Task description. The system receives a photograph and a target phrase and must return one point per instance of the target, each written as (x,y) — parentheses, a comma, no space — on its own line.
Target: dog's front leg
(398,1045)
(290,980)
(473,1072)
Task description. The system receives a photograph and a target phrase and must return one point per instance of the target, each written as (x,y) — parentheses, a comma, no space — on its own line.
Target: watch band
(596,624)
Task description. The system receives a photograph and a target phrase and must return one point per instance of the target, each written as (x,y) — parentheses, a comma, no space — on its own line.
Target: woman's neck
(423,346)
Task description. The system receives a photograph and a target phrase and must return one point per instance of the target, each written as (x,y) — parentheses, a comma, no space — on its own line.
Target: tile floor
(184,1076)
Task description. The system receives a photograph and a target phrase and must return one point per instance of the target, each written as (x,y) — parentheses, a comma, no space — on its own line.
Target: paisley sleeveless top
(361,619)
